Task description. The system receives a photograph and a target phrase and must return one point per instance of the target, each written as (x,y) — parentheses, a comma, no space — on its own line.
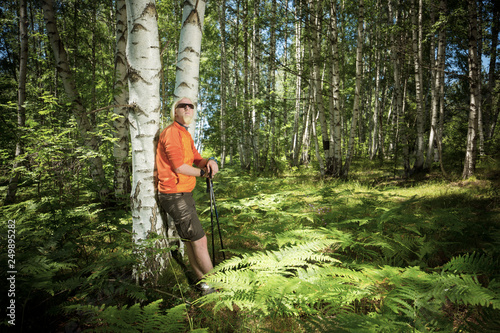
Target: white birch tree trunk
(221,10)
(417,58)
(471,151)
(357,94)
(121,148)
(143,57)
(335,118)
(296,142)
(188,60)
(437,81)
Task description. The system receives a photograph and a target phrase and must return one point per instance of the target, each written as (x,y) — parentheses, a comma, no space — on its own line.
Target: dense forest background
(341,101)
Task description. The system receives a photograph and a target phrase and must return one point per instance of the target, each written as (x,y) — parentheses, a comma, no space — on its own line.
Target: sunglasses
(183,106)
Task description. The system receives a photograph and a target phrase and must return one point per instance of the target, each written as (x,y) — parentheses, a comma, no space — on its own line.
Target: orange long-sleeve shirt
(175,148)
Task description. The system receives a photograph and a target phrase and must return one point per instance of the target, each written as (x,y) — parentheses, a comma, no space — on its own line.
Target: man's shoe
(204,288)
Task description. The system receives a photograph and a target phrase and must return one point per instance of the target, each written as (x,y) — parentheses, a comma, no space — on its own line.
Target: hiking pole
(213,208)
(209,191)
(217,218)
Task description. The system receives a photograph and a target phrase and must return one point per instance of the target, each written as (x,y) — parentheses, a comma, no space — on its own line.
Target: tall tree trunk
(143,58)
(221,10)
(376,107)
(335,118)
(296,142)
(490,100)
(316,30)
(82,118)
(254,86)
(247,120)
(435,88)
(188,60)
(471,150)
(479,101)
(357,94)
(21,99)
(272,92)
(121,147)
(417,57)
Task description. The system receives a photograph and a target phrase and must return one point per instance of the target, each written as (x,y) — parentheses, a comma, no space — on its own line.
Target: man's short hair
(174,106)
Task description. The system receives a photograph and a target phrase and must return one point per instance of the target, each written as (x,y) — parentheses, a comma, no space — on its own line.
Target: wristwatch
(202,172)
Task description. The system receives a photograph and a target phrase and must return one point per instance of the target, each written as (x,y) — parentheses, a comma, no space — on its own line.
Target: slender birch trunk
(357,94)
(254,87)
(417,58)
(375,129)
(221,10)
(335,118)
(272,86)
(471,151)
(188,60)
(315,27)
(21,99)
(121,147)
(82,118)
(143,58)
(296,143)
(437,82)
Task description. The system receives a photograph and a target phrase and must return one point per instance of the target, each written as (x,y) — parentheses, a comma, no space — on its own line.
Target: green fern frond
(472,263)
(147,319)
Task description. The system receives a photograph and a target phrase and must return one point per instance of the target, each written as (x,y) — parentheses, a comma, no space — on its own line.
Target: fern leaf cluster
(303,278)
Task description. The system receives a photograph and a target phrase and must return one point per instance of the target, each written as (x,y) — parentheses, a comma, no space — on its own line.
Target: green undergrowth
(303,254)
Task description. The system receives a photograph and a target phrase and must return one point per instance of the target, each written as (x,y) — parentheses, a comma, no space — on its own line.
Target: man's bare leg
(199,258)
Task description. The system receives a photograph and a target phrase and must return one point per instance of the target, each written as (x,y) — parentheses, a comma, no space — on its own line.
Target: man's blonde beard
(187,119)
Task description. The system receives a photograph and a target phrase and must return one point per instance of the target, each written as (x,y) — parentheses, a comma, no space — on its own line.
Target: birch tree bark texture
(121,148)
(188,60)
(143,59)
(471,152)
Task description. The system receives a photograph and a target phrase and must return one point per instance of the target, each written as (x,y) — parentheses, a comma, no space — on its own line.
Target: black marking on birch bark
(193,17)
(137,26)
(184,84)
(134,76)
(184,59)
(177,68)
(154,218)
(137,191)
(190,50)
(150,10)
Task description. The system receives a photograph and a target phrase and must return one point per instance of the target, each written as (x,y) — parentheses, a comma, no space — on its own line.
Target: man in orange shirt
(175,156)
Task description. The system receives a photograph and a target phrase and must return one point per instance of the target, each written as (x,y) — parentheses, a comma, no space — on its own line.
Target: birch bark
(335,118)
(188,60)
(471,150)
(221,10)
(417,58)
(296,142)
(143,58)
(357,94)
(121,147)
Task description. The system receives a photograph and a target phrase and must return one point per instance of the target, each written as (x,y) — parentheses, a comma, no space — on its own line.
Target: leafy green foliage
(303,255)
(394,264)
(135,319)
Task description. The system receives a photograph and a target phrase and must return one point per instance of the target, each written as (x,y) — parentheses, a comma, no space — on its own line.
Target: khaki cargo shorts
(181,207)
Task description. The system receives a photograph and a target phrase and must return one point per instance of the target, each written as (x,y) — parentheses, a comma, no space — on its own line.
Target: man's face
(184,112)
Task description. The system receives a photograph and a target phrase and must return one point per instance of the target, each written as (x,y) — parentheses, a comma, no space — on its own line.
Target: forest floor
(75,259)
